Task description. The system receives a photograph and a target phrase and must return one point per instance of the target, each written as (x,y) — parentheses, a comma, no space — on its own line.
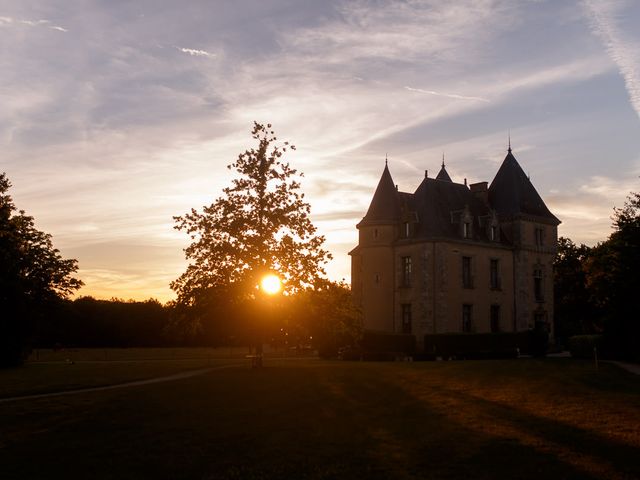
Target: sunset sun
(270,284)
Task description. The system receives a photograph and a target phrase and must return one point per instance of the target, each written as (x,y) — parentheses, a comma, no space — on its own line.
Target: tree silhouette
(574,312)
(260,224)
(612,279)
(33,274)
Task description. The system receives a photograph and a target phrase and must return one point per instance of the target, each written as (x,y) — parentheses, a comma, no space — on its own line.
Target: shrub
(481,345)
(388,343)
(582,346)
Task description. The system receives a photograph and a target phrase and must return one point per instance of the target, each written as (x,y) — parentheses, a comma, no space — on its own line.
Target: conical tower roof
(512,193)
(443,175)
(385,205)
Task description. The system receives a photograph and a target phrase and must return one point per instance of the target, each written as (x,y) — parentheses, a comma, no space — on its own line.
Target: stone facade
(456,258)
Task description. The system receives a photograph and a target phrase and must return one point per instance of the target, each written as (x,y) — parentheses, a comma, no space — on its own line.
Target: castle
(456,258)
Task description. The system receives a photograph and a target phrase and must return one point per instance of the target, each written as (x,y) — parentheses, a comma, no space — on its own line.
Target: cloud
(586,211)
(118,109)
(196,53)
(448,95)
(622,49)
(31,23)
(34,23)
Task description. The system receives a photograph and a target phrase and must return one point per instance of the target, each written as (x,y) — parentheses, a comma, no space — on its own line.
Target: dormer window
(406,229)
(493,233)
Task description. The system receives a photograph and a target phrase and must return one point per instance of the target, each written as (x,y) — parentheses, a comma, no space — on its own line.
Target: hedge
(388,343)
(486,345)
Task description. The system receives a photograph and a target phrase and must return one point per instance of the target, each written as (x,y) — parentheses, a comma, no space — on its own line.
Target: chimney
(480,190)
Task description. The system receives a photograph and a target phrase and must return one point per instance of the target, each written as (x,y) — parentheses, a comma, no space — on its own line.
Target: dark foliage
(327,312)
(585,346)
(486,345)
(87,322)
(33,278)
(612,280)
(389,343)
(596,288)
(574,312)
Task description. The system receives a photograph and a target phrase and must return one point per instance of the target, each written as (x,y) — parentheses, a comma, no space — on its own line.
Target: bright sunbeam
(270,284)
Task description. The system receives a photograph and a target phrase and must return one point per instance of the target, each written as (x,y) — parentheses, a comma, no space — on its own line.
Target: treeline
(322,318)
(87,322)
(597,288)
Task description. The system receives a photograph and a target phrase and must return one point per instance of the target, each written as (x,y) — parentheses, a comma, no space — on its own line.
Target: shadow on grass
(582,447)
(320,421)
(439,444)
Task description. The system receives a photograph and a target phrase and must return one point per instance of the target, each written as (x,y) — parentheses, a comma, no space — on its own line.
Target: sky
(116,116)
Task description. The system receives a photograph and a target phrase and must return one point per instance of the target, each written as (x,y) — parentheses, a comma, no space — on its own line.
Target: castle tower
(372,261)
(532,230)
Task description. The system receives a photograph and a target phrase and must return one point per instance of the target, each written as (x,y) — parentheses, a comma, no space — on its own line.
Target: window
(467,279)
(537,285)
(406,318)
(466,230)
(466,318)
(494,278)
(539,234)
(376,278)
(494,317)
(406,271)
(375,233)
(493,233)
(406,229)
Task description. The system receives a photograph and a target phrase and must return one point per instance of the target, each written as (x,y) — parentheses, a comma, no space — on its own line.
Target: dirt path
(168,378)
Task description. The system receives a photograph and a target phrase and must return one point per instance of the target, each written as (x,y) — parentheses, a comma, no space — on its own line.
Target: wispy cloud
(4,21)
(448,95)
(34,23)
(586,211)
(603,19)
(196,53)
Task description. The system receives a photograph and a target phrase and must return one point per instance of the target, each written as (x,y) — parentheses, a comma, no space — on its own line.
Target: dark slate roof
(385,205)
(512,193)
(435,201)
(443,175)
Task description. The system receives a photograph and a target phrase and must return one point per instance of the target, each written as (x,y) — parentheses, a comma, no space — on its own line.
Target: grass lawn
(51,371)
(299,419)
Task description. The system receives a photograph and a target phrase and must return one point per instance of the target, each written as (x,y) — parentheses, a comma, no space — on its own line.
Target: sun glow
(270,284)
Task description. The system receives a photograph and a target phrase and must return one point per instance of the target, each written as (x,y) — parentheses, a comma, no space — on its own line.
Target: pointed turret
(385,205)
(512,193)
(443,175)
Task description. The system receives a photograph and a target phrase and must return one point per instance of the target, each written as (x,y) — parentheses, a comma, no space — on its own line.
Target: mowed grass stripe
(313,419)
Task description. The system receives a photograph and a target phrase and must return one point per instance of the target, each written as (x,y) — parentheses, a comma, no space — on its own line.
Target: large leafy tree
(612,279)
(331,316)
(33,274)
(260,224)
(574,312)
